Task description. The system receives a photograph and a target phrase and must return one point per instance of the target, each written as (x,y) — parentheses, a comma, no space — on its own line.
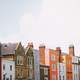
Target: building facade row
(19,63)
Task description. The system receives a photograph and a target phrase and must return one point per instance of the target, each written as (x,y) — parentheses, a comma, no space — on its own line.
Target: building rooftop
(8,48)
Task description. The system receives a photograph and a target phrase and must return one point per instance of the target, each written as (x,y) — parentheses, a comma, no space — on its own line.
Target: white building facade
(36,65)
(75,68)
(8,70)
(61,71)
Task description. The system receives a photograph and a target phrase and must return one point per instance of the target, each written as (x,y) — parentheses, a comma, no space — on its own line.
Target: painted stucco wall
(36,65)
(75,68)
(61,71)
(7,70)
(75,72)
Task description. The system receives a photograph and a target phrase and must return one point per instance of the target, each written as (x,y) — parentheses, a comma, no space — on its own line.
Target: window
(76,76)
(59,77)
(76,67)
(45,78)
(10,67)
(20,60)
(53,77)
(45,71)
(7,78)
(29,60)
(4,77)
(10,77)
(30,74)
(68,62)
(62,59)
(52,58)
(63,77)
(20,73)
(17,59)
(53,66)
(3,66)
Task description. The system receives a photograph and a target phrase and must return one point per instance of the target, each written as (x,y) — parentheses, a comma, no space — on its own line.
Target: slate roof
(8,48)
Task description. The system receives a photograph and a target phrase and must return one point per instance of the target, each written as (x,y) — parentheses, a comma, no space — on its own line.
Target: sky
(50,22)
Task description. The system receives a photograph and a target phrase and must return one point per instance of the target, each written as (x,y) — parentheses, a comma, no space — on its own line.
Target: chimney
(71,50)
(58,49)
(42,53)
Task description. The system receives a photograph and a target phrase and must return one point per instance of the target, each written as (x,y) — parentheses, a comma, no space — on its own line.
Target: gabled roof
(26,50)
(8,48)
(29,46)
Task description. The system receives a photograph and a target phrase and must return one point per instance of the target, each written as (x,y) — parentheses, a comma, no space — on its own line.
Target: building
(42,54)
(0,68)
(29,54)
(24,60)
(57,64)
(8,69)
(7,61)
(75,68)
(15,52)
(69,72)
(20,63)
(79,66)
(44,63)
(54,59)
(69,65)
(44,72)
(36,65)
(62,73)
(0,63)
(62,68)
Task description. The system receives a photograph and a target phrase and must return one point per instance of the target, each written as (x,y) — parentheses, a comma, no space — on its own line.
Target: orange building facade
(53,58)
(69,65)
(44,65)
(69,74)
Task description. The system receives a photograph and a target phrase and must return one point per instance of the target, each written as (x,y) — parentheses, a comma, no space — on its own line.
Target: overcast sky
(52,22)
